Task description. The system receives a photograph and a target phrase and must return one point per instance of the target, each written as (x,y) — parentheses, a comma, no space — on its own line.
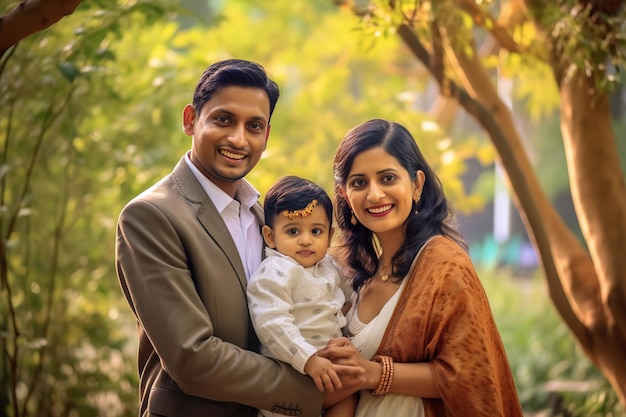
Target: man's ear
(268,236)
(267,133)
(189,118)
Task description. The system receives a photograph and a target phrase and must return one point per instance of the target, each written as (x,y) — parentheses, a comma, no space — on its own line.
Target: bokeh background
(90,115)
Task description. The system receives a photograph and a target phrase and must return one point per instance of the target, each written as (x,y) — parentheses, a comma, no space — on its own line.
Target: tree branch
(498,31)
(516,174)
(31,16)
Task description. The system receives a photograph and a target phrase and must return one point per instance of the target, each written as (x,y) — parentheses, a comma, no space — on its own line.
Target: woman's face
(380,191)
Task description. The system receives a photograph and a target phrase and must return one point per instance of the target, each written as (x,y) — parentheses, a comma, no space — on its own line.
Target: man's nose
(237,136)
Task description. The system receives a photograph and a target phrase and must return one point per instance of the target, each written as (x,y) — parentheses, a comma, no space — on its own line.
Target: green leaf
(69,70)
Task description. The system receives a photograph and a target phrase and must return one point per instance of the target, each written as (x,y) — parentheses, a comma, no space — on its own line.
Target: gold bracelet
(386,377)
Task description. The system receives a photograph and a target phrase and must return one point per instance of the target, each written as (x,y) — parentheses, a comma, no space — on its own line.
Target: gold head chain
(305,212)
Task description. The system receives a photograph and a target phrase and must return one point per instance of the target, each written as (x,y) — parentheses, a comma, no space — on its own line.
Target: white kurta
(295,310)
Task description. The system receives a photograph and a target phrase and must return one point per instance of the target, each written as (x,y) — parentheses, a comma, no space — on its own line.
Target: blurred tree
(331,81)
(581,44)
(64,345)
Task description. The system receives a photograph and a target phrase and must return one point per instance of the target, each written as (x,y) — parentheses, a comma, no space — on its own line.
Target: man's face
(229,135)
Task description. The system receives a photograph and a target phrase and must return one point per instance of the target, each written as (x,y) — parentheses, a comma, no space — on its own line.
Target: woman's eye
(358,183)
(389,178)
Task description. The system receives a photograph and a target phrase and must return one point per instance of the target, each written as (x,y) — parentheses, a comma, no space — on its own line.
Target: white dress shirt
(238,217)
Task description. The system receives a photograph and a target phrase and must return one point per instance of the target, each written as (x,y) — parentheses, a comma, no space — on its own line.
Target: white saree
(366,338)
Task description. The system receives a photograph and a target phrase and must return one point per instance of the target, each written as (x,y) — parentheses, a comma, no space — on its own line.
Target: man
(185,248)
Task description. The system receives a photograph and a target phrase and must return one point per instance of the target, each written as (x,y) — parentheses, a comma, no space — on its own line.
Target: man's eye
(222,119)
(256,126)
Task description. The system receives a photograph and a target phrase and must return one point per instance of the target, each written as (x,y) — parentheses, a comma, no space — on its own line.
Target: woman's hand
(342,353)
(323,373)
(414,379)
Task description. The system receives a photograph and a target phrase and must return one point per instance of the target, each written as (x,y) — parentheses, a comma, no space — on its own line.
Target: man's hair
(234,72)
(292,193)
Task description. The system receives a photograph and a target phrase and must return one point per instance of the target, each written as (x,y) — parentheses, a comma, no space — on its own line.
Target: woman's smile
(380,210)
(380,191)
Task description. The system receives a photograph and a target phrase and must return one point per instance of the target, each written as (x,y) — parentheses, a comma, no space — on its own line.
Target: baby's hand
(323,373)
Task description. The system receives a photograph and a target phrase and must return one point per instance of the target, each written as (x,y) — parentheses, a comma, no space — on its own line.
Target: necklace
(384,274)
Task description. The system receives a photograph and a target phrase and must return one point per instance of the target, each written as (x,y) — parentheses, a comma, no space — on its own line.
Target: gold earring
(353,219)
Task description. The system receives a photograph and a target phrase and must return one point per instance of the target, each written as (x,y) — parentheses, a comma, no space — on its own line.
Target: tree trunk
(573,284)
(599,195)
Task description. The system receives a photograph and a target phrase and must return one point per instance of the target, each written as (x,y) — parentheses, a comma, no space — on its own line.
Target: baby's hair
(294,195)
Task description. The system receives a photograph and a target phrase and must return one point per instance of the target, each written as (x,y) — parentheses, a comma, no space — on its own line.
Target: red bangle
(386,377)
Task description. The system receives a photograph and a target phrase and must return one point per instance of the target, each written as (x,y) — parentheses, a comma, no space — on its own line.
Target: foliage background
(90,115)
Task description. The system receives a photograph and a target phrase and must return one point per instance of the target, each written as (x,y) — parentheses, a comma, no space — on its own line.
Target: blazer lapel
(209,217)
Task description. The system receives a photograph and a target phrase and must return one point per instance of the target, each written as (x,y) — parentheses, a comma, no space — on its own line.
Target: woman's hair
(293,194)
(234,72)
(431,216)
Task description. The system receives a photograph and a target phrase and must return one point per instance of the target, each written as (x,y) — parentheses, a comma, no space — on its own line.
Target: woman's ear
(344,195)
(268,236)
(420,179)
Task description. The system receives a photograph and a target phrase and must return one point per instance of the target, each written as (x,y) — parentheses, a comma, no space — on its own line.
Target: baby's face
(305,239)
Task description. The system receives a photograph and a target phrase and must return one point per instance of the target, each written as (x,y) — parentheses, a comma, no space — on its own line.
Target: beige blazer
(182,276)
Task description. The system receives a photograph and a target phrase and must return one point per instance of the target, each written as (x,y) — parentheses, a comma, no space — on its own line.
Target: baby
(295,296)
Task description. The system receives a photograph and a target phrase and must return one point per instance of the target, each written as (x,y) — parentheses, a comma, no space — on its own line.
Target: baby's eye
(292,232)
(316,232)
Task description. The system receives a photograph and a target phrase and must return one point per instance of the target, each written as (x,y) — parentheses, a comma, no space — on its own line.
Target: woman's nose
(375,193)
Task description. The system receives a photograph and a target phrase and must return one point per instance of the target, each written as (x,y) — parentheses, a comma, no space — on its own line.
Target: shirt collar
(246,194)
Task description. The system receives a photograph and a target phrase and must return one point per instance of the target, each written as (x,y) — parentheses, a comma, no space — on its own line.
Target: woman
(418,307)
